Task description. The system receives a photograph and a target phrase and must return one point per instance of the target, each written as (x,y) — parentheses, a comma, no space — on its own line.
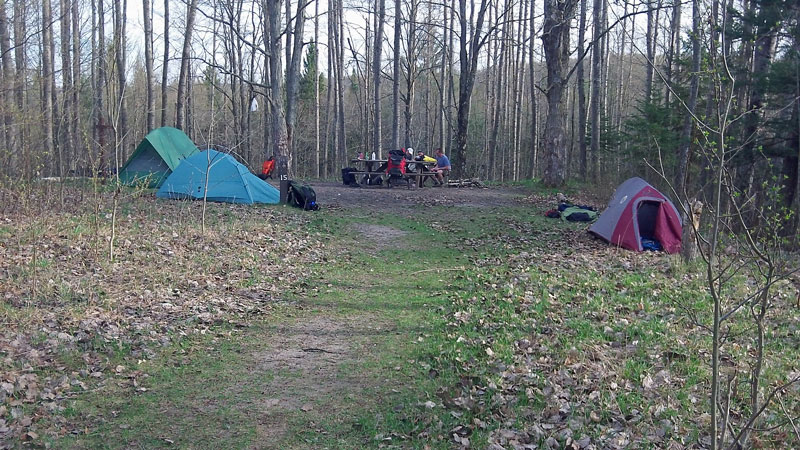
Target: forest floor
(390,318)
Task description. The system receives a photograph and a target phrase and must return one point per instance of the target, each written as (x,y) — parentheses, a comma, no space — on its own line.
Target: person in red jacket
(267,168)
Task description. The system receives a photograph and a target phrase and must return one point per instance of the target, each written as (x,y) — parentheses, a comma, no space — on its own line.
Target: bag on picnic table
(302,196)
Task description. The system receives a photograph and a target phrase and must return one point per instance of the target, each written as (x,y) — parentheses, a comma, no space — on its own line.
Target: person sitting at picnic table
(267,168)
(409,153)
(441,168)
(421,156)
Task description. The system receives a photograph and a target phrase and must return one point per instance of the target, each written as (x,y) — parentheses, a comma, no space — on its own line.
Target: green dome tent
(157,156)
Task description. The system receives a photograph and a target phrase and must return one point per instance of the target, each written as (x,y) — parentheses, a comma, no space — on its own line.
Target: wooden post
(284,189)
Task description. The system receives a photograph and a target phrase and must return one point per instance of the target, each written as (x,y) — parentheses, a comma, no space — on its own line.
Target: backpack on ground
(302,196)
(347,176)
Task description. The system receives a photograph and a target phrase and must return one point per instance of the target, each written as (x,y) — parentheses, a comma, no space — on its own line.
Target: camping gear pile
(573,213)
(466,182)
(396,168)
(638,218)
(302,196)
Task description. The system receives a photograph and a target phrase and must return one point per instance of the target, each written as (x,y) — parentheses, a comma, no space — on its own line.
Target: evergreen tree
(309,67)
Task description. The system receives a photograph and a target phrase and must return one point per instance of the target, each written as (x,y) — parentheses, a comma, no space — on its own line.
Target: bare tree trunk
(411,72)
(184,75)
(342,136)
(686,133)
(555,36)
(674,44)
(582,92)
(330,109)
(651,48)
(148,65)
(596,84)
(451,91)
(396,76)
(165,65)
(120,41)
(471,41)
(520,96)
(534,151)
(67,109)
(293,75)
(20,60)
(376,73)
(48,83)
(497,104)
(278,120)
(316,92)
(75,120)
(6,87)
(443,91)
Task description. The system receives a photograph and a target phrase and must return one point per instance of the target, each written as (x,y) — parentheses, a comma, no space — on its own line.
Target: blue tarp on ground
(228,181)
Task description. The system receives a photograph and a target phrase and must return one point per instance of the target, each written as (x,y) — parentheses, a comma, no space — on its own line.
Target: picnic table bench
(415,170)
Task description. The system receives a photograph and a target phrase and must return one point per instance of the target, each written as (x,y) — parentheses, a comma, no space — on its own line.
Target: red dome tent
(637,210)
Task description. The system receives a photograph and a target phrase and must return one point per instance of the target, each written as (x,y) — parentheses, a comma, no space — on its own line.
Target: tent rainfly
(219,178)
(157,156)
(637,210)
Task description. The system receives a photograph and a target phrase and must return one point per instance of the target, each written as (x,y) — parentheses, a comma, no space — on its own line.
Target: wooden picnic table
(414,169)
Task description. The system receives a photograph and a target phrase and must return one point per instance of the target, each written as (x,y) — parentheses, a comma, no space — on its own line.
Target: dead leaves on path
(67,311)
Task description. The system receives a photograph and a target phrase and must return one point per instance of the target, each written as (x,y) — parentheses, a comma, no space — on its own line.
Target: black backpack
(347,177)
(396,156)
(302,196)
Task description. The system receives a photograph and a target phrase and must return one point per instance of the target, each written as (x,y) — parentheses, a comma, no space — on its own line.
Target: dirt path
(336,195)
(305,359)
(309,357)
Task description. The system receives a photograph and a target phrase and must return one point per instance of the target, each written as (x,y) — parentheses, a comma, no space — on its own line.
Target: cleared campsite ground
(390,318)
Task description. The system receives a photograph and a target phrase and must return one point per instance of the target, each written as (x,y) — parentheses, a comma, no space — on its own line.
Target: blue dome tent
(228,181)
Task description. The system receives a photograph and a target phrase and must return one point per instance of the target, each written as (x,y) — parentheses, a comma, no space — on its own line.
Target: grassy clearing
(512,329)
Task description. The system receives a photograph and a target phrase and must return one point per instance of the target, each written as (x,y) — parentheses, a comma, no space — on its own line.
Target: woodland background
(511,89)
